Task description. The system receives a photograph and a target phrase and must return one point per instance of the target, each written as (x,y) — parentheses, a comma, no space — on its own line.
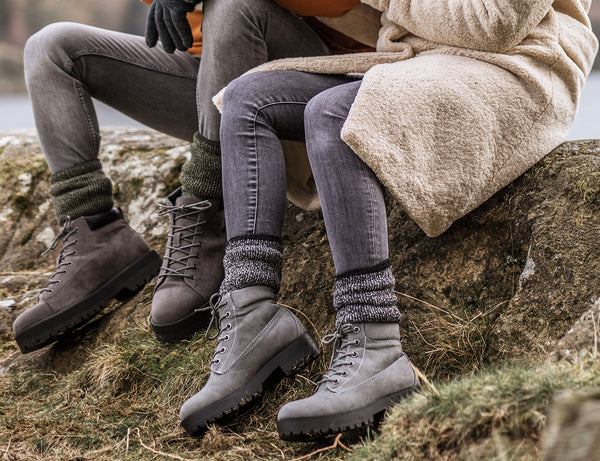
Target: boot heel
(138,274)
(300,352)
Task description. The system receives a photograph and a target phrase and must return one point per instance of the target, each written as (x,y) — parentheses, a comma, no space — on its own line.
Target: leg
(102,257)
(259,110)
(67,64)
(369,371)
(237,35)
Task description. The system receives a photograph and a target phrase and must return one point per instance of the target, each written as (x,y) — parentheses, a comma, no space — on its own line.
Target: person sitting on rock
(66,65)
(460,99)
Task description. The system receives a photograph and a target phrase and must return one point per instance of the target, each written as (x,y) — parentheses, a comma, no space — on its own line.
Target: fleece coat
(461,97)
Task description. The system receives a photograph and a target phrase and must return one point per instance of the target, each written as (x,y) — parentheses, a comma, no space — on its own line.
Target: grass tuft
(494,414)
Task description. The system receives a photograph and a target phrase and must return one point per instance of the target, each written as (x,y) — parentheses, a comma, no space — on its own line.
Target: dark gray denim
(67,64)
(260,109)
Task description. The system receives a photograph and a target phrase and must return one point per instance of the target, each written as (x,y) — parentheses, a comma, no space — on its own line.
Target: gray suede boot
(367,373)
(192,267)
(102,258)
(257,338)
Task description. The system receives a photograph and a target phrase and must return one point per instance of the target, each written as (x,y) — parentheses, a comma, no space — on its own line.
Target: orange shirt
(338,42)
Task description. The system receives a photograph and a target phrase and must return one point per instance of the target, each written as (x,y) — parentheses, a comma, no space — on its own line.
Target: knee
(253,91)
(49,46)
(240,93)
(324,118)
(225,20)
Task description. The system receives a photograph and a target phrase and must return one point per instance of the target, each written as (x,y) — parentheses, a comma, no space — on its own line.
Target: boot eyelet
(228,315)
(228,327)
(354,354)
(222,350)
(357,342)
(74,252)
(356,330)
(351,363)
(226,338)
(345,373)
(336,380)
(217,361)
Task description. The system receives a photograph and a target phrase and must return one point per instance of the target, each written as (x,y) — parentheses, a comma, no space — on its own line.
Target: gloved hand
(167,20)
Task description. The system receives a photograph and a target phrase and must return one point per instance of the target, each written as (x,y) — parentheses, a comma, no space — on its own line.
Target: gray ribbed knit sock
(366,296)
(81,190)
(201,174)
(252,261)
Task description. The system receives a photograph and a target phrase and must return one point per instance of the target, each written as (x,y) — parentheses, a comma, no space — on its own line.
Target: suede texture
(377,368)
(177,296)
(100,254)
(254,328)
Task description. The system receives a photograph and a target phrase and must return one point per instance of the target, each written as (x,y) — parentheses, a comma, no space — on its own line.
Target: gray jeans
(260,109)
(67,64)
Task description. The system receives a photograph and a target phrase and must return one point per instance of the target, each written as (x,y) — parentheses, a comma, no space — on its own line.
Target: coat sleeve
(486,25)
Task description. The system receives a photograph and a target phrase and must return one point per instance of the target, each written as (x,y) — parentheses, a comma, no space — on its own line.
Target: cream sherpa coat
(461,97)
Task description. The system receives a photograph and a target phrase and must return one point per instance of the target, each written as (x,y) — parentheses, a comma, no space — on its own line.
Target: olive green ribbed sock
(81,190)
(201,174)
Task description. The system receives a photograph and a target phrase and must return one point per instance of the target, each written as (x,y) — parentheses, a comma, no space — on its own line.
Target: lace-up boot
(257,339)
(101,258)
(368,373)
(192,267)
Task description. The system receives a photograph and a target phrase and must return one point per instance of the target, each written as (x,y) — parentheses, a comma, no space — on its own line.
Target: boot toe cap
(32,316)
(170,305)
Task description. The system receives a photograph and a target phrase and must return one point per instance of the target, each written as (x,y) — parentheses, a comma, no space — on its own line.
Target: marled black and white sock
(252,261)
(366,296)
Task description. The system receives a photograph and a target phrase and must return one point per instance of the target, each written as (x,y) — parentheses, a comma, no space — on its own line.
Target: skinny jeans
(259,110)
(67,64)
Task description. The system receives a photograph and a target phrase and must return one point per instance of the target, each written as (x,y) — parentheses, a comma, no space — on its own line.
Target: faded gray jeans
(67,64)
(261,108)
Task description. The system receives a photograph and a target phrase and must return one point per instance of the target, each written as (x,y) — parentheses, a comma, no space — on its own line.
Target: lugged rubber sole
(122,286)
(298,353)
(295,429)
(182,328)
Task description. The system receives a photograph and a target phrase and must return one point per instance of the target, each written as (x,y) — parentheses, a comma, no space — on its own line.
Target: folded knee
(51,44)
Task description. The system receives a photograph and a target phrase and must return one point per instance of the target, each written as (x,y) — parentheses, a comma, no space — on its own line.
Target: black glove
(167,20)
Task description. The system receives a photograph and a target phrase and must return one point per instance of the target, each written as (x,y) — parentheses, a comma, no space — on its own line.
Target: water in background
(15,112)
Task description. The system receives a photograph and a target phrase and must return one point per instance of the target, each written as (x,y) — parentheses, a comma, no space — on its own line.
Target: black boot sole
(298,353)
(297,429)
(122,286)
(183,328)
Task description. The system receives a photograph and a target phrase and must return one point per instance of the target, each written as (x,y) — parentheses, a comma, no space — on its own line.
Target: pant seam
(78,86)
(142,65)
(255,153)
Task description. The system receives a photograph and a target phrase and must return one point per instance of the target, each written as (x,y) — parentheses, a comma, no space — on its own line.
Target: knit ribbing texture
(201,174)
(366,296)
(252,261)
(81,190)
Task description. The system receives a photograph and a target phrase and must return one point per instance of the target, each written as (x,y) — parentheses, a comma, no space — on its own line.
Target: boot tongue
(179,221)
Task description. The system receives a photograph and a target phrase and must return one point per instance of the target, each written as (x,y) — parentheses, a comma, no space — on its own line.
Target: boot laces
(342,351)
(216,303)
(62,260)
(187,234)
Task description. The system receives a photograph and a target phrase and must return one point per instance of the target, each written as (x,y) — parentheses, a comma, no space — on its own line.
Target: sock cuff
(202,147)
(81,190)
(201,174)
(366,296)
(87,167)
(252,261)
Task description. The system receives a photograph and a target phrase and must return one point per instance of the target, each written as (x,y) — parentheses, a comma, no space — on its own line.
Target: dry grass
(123,403)
(455,339)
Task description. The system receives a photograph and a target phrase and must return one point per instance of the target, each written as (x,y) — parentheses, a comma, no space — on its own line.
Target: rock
(582,341)
(573,430)
(505,282)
